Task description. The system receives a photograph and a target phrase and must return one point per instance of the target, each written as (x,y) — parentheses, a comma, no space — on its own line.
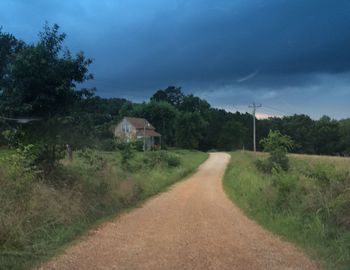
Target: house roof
(139,123)
(147,133)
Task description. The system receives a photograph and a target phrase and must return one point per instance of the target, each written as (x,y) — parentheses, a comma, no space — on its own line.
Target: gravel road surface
(192,226)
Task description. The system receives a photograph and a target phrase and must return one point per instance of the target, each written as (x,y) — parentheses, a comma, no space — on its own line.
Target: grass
(309,205)
(39,217)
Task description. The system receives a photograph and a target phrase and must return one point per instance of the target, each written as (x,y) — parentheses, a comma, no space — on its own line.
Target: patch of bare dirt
(192,226)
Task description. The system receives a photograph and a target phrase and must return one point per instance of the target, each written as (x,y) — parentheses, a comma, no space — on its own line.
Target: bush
(93,159)
(263,165)
(138,145)
(279,159)
(277,145)
(285,185)
(13,137)
(19,171)
(108,145)
(160,158)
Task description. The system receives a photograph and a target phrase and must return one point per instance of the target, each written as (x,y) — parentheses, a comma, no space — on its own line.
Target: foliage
(159,158)
(171,95)
(327,136)
(275,141)
(41,83)
(344,133)
(41,80)
(189,129)
(163,116)
(277,145)
(308,205)
(127,152)
(13,137)
(93,159)
(39,217)
(232,136)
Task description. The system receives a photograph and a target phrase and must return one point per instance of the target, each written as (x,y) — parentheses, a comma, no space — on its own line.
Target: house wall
(125,130)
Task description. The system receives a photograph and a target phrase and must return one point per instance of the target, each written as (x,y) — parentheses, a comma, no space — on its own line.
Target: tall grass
(308,205)
(39,216)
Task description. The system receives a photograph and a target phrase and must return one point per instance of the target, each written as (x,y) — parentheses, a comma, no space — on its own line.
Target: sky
(291,56)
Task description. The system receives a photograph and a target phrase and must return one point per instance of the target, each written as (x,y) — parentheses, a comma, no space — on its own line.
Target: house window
(125,127)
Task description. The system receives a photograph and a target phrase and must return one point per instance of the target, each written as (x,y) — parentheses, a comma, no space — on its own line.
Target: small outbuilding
(131,129)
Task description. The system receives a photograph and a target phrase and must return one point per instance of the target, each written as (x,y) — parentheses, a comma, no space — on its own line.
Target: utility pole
(144,135)
(254,106)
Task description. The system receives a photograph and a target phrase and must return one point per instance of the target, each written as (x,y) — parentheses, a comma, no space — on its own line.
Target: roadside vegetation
(39,215)
(47,199)
(304,199)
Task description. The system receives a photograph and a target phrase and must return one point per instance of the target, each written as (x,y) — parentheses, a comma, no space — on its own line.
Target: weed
(309,204)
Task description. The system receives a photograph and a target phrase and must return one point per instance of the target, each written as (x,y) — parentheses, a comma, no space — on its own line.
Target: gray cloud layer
(293,47)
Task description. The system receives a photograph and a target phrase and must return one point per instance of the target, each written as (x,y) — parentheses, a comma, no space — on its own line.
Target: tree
(344,133)
(194,104)
(172,94)
(162,115)
(42,83)
(189,130)
(232,136)
(278,146)
(326,136)
(301,129)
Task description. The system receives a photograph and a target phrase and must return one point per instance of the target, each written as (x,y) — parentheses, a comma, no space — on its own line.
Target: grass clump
(309,204)
(38,214)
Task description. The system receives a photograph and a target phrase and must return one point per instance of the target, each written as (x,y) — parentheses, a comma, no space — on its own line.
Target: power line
(20,120)
(254,106)
(280,111)
(276,110)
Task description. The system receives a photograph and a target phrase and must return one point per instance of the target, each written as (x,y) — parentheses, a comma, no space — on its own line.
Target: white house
(133,128)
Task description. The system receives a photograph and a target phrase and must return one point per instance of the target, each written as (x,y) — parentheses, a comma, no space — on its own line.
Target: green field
(38,217)
(308,205)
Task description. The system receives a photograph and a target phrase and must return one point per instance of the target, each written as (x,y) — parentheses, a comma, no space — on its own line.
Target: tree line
(39,85)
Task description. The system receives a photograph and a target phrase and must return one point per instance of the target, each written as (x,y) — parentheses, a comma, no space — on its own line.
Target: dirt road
(192,226)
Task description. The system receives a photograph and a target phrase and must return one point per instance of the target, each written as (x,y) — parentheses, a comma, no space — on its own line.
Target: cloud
(248,77)
(324,94)
(139,46)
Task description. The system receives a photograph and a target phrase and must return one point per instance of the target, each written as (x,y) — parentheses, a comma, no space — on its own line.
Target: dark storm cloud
(141,46)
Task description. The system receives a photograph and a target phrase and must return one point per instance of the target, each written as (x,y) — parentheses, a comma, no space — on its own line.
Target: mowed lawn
(308,205)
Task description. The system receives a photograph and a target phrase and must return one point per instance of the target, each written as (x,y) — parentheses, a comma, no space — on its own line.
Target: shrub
(277,145)
(285,185)
(173,161)
(279,160)
(93,159)
(108,145)
(263,165)
(138,145)
(13,137)
(19,171)
(127,152)
(159,158)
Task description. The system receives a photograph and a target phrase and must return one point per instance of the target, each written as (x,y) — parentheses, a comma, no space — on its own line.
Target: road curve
(192,226)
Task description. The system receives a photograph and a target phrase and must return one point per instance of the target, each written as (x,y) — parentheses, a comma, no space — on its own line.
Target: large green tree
(40,81)
(344,133)
(190,128)
(326,136)
(232,136)
(163,116)
(171,94)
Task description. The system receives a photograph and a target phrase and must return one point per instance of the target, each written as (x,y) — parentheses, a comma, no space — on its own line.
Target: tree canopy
(41,81)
